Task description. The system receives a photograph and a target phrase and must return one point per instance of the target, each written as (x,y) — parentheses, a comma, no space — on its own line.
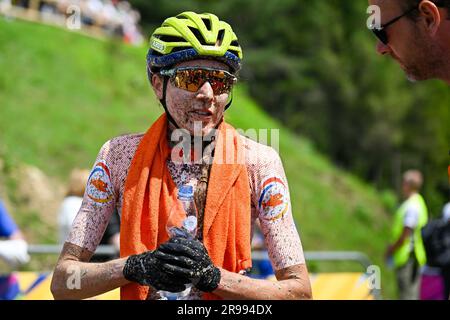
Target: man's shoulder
(127,139)
(258,153)
(124,143)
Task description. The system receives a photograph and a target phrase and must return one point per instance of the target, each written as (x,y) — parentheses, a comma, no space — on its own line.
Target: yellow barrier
(340,286)
(325,286)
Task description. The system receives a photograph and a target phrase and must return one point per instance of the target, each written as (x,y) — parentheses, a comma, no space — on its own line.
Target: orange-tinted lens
(193,79)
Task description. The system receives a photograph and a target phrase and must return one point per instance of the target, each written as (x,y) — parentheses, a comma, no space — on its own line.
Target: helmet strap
(229,103)
(163,103)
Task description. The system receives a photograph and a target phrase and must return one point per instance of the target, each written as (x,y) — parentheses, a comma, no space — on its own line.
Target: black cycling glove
(188,258)
(146,269)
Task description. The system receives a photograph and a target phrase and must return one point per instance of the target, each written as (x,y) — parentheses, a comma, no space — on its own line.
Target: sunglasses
(381,33)
(193,78)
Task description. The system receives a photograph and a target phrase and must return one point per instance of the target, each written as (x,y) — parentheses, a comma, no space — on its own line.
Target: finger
(195,245)
(178,250)
(191,243)
(181,261)
(178,271)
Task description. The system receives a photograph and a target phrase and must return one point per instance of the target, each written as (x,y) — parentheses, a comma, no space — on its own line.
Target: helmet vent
(220,37)
(172,39)
(198,35)
(234,43)
(207,23)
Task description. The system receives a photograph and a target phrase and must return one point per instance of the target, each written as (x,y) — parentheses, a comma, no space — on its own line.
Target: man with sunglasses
(192,65)
(416,33)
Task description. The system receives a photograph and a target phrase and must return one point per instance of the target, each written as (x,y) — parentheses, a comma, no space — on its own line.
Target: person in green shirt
(406,251)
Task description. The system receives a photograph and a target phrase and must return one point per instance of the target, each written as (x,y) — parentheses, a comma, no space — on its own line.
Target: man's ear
(431,16)
(157,84)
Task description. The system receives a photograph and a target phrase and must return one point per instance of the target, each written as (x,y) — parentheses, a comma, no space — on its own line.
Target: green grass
(62,95)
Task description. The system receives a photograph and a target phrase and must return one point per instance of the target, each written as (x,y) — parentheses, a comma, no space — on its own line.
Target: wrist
(133,268)
(210,279)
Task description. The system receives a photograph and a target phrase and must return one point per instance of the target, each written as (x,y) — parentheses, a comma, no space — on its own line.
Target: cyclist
(192,65)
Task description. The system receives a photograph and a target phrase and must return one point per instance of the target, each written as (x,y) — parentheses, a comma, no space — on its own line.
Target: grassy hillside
(62,95)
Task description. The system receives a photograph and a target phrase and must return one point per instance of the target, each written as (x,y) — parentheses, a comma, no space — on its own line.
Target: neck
(410,194)
(207,145)
(447,78)
(446,67)
(446,49)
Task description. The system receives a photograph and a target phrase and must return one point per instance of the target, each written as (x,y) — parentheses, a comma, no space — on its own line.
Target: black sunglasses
(381,33)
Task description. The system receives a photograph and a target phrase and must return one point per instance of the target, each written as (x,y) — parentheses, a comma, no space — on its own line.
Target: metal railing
(355,256)
(56,249)
(341,256)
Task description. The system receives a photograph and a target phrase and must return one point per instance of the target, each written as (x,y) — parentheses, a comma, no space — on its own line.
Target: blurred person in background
(416,34)
(5,5)
(72,202)
(436,237)
(406,253)
(13,252)
(13,247)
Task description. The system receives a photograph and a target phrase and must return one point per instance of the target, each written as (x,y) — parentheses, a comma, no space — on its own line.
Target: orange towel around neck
(150,193)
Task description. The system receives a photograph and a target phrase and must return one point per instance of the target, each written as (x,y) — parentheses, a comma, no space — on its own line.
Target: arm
(13,250)
(73,270)
(74,277)
(271,200)
(410,222)
(406,234)
(17,235)
(293,283)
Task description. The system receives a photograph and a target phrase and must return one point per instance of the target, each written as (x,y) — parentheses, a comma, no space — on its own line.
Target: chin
(411,78)
(418,73)
(416,78)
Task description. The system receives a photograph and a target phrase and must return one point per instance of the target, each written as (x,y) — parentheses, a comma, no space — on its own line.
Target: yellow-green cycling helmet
(190,36)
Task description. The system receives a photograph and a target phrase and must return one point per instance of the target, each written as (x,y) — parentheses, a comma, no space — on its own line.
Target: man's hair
(413,178)
(408,4)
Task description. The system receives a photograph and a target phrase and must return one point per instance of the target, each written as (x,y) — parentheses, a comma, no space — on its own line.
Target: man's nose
(205,92)
(382,48)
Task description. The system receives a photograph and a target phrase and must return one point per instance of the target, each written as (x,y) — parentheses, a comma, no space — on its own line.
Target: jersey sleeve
(98,203)
(271,198)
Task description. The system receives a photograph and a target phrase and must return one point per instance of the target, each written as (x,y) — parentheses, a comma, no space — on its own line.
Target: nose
(382,48)
(205,92)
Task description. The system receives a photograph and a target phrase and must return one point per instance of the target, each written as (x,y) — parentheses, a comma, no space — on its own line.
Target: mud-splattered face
(202,107)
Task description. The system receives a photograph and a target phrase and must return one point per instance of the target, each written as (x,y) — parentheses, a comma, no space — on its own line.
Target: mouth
(202,113)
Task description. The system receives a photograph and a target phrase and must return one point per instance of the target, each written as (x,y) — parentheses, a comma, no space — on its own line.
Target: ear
(431,16)
(157,84)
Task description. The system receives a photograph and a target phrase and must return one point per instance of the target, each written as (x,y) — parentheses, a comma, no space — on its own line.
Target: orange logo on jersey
(100,185)
(274,200)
